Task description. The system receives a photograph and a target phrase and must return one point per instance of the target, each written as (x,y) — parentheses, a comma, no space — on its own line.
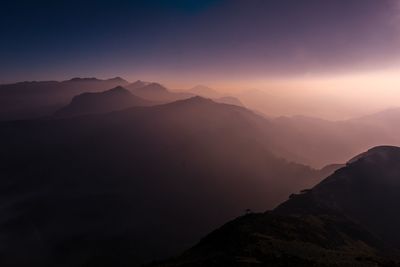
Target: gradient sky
(184,42)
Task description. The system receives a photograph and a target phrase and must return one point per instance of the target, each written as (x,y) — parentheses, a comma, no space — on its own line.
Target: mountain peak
(197,100)
(118,80)
(378,153)
(138,84)
(79,79)
(201,87)
(204,91)
(366,190)
(113,99)
(155,87)
(118,89)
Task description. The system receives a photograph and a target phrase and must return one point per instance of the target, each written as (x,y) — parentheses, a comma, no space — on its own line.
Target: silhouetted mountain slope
(137,84)
(204,91)
(366,190)
(331,168)
(229,100)
(111,100)
(268,239)
(156,92)
(35,99)
(134,185)
(349,219)
(305,140)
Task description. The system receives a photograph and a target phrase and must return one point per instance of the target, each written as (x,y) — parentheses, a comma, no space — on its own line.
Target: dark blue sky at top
(208,38)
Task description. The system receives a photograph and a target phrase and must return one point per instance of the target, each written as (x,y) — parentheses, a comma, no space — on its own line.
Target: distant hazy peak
(147,86)
(118,79)
(196,100)
(201,87)
(118,89)
(204,91)
(79,79)
(114,99)
(139,83)
(156,84)
(154,87)
(94,79)
(142,82)
(229,100)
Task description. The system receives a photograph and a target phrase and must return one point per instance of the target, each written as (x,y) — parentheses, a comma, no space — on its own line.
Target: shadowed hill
(366,190)
(134,185)
(349,219)
(156,92)
(111,100)
(310,141)
(35,99)
(229,100)
(204,91)
(270,239)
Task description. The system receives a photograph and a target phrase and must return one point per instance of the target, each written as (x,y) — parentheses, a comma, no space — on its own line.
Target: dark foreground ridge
(349,219)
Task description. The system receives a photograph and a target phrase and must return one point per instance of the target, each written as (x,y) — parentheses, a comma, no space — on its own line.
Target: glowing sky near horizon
(228,44)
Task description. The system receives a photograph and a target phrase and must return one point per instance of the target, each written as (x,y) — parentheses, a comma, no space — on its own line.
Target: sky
(228,44)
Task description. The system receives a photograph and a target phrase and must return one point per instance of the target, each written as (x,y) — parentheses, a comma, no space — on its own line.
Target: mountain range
(306,140)
(114,99)
(132,185)
(26,100)
(98,176)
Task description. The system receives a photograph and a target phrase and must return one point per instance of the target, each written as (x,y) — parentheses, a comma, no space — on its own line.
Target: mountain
(207,92)
(318,142)
(156,92)
(229,100)
(129,186)
(289,102)
(204,91)
(102,102)
(137,84)
(349,219)
(386,119)
(269,239)
(366,190)
(26,100)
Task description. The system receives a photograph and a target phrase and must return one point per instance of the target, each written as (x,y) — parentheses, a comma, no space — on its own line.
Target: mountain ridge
(332,224)
(117,98)
(94,177)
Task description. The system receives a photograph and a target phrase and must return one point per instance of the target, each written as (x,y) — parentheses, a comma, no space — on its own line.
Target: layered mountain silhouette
(309,141)
(114,99)
(318,142)
(26,100)
(275,102)
(137,84)
(134,185)
(366,190)
(229,100)
(349,219)
(156,92)
(128,182)
(205,91)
